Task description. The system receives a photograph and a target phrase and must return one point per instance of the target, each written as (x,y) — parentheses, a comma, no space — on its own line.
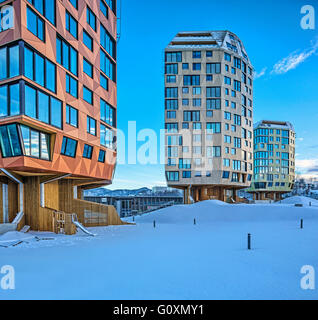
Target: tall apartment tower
(57,108)
(274,160)
(208,115)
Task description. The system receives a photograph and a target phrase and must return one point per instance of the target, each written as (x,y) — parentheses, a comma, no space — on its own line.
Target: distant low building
(132,202)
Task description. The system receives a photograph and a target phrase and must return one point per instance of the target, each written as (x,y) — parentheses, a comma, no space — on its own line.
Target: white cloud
(306,164)
(295,59)
(257,75)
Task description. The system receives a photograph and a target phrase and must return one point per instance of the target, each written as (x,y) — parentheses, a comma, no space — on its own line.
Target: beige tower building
(274,160)
(208,115)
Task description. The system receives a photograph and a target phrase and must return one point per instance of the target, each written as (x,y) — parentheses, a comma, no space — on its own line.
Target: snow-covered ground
(177,259)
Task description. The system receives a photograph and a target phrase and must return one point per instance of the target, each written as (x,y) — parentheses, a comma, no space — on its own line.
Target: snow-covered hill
(177,259)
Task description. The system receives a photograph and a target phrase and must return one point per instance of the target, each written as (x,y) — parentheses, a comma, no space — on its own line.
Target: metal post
(195,221)
(154,224)
(249,238)
(301,224)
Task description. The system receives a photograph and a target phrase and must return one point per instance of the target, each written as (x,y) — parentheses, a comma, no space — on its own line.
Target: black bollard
(301,224)
(154,224)
(133,218)
(249,238)
(195,221)
(310,204)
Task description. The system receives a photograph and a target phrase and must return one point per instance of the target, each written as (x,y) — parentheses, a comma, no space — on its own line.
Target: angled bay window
(107,42)
(87,68)
(107,138)
(107,113)
(66,55)
(39,69)
(35,24)
(74,3)
(35,143)
(107,66)
(69,147)
(10,141)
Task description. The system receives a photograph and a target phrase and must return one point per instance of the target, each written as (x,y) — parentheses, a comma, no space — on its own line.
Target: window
(87,40)
(9,62)
(71,116)
(196,55)
(171,79)
(88,151)
(172,68)
(66,55)
(91,18)
(185,66)
(227,80)
(213,92)
(39,69)
(107,137)
(213,68)
(74,3)
(191,80)
(71,86)
(102,156)
(88,95)
(9,141)
(107,113)
(104,8)
(227,57)
(36,144)
(46,8)
(171,104)
(171,92)
(69,147)
(196,66)
(107,66)
(213,127)
(103,82)
(112,5)
(88,68)
(35,24)
(173,57)
(186,174)
(71,25)
(209,54)
(173,175)
(107,42)
(209,77)
(91,126)
(40,106)
(213,104)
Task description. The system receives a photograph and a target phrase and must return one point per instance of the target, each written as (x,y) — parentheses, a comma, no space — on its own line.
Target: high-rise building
(208,115)
(57,108)
(274,160)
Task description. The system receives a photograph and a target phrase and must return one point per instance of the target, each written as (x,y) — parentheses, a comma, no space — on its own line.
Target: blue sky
(271,33)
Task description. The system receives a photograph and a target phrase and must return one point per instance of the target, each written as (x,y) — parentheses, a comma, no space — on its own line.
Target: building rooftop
(222,39)
(274,124)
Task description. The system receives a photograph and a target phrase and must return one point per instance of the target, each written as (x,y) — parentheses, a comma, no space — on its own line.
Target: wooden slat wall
(32,202)
(13,195)
(51,191)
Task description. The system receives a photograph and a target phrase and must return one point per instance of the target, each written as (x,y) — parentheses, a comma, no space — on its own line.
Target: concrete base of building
(268,195)
(41,197)
(214,192)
